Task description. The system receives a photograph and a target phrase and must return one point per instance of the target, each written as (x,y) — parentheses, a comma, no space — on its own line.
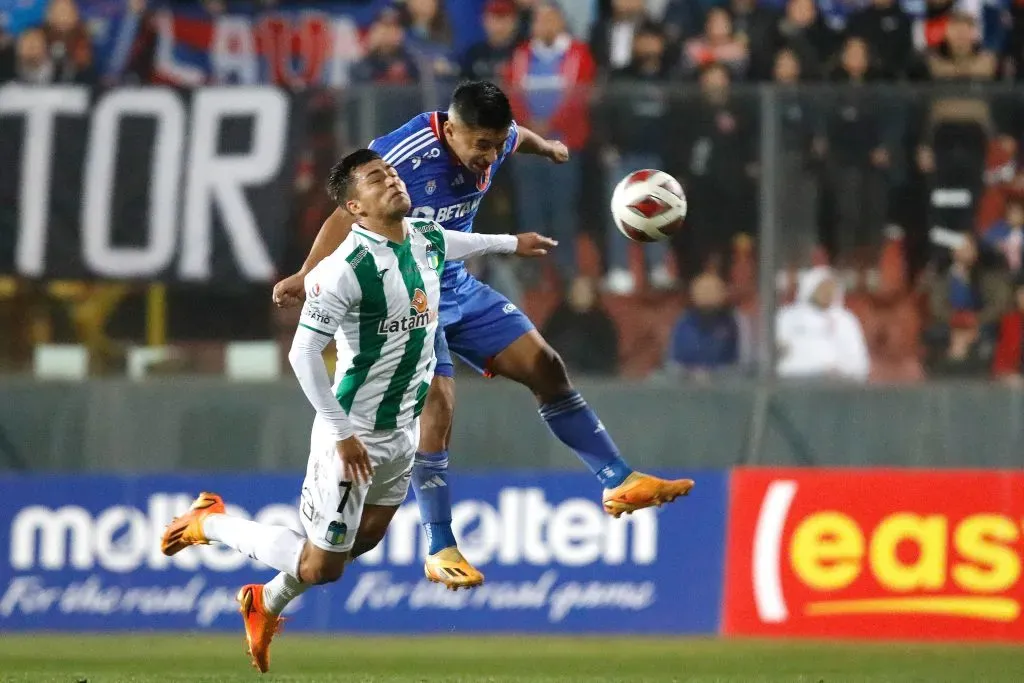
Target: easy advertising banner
(82,553)
(875,554)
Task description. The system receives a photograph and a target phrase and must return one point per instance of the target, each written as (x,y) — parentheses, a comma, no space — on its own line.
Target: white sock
(276,546)
(281,590)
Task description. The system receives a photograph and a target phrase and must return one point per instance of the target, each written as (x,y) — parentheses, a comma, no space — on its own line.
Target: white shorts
(331,507)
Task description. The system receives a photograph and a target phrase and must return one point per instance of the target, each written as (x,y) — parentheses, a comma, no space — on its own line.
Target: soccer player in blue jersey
(447,160)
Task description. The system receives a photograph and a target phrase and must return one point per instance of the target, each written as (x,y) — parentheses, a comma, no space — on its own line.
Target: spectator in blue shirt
(710,336)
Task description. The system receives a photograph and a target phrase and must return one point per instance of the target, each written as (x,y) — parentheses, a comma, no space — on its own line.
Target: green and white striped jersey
(380,301)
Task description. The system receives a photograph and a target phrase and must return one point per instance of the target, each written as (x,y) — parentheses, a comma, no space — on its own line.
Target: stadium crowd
(865,171)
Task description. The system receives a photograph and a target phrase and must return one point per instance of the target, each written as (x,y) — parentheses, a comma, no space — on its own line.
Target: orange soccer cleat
(188,529)
(260,626)
(641,491)
(449,567)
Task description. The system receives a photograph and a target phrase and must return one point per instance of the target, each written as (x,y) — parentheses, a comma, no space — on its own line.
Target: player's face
(476,148)
(379,192)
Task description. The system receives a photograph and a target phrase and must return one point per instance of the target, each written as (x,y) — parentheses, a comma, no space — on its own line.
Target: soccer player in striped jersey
(378,297)
(447,160)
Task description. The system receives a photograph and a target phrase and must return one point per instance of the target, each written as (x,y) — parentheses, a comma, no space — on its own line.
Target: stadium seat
(141,358)
(61,362)
(255,360)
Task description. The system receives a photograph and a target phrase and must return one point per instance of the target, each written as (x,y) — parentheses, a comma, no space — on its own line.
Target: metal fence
(212,424)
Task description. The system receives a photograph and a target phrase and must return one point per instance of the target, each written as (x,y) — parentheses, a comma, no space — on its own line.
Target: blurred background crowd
(891,178)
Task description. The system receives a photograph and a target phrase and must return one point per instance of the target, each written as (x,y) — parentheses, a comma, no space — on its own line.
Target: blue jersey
(441,188)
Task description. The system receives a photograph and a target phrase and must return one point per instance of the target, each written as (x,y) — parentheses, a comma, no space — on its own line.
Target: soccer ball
(648,205)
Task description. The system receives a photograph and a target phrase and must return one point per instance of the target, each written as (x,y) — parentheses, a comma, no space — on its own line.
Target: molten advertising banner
(876,554)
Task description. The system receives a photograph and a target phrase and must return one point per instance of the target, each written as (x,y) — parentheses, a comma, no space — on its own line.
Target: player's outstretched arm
(319,322)
(291,291)
(531,143)
(465,245)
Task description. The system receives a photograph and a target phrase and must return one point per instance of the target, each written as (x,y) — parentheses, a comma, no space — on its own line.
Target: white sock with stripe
(275,546)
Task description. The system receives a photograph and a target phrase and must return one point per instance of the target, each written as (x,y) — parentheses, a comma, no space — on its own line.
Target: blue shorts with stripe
(477,323)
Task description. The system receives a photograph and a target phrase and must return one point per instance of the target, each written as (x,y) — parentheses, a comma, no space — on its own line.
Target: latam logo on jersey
(876,553)
(419,316)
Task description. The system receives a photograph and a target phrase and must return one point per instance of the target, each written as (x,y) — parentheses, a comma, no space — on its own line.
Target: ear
(354,207)
(447,128)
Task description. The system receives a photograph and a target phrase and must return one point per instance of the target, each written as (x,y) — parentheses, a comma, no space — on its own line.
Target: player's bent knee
(549,379)
(319,566)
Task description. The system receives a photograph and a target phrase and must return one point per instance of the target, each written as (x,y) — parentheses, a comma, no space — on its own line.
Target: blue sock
(430,482)
(577,426)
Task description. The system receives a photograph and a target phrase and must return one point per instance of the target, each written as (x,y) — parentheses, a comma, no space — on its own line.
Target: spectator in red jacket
(549,79)
(1008,363)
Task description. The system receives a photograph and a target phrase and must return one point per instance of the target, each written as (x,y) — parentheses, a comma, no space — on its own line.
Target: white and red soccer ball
(648,205)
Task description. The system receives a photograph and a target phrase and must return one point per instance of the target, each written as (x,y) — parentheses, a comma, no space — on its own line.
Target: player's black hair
(340,181)
(481,104)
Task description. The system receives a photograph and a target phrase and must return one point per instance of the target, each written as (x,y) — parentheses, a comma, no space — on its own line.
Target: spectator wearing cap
(549,84)
(486,60)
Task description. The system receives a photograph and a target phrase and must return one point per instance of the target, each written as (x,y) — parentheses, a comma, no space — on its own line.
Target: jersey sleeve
(511,144)
(326,303)
(465,245)
(403,142)
(513,139)
(453,245)
(328,296)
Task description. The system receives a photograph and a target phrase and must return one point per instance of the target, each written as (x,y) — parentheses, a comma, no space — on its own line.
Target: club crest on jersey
(419,303)
(336,532)
(433,257)
(430,187)
(419,316)
(432,154)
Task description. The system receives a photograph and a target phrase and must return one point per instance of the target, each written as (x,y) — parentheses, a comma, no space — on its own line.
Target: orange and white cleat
(260,626)
(188,529)
(641,491)
(449,567)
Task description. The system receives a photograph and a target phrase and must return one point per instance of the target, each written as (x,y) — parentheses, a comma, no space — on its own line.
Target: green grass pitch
(326,659)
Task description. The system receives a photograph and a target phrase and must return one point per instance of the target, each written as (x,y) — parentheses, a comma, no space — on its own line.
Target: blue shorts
(477,323)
